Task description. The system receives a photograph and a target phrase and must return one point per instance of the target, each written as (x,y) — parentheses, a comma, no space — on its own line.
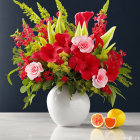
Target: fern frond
(126,65)
(29,12)
(43,12)
(124,81)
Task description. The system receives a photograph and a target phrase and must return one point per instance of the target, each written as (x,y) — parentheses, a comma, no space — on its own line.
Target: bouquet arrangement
(57,52)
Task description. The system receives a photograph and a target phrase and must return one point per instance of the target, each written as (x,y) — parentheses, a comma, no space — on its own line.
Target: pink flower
(33,70)
(84,43)
(100,80)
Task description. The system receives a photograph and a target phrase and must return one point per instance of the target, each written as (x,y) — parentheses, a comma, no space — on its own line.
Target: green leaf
(107,37)
(51,34)
(36,87)
(26,101)
(60,27)
(10,73)
(124,70)
(26,81)
(84,30)
(78,30)
(105,7)
(23,89)
(42,41)
(112,98)
(31,98)
(71,88)
(47,85)
(109,48)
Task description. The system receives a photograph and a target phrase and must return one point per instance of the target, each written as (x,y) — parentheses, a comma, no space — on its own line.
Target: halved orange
(97,120)
(110,122)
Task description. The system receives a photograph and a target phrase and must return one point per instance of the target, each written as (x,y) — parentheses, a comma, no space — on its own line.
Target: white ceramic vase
(65,111)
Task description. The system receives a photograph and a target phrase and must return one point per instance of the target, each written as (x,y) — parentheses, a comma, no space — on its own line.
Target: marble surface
(39,126)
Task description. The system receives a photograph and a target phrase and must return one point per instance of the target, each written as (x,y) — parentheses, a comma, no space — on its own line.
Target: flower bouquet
(56,52)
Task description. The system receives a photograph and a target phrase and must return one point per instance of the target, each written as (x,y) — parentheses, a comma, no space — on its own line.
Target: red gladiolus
(62,43)
(64,79)
(86,64)
(48,53)
(83,17)
(107,90)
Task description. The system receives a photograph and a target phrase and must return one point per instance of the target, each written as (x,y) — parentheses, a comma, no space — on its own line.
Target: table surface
(39,126)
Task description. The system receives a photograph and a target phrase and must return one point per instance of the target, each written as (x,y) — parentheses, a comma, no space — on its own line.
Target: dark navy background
(122,13)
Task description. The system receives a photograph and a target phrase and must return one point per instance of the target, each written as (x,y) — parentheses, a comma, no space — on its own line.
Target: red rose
(64,79)
(86,64)
(83,17)
(48,53)
(107,90)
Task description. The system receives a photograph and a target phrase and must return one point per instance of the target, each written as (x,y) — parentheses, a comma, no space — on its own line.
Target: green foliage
(10,73)
(124,80)
(29,12)
(43,12)
(16,52)
(47,85)
(71,88)
(70,27)
(123,75)
(36,87)
(51,34)
(107,37)
(78,30)
(61,9)
(112,97)
(105,7)
(84,30)
(124,70)
(23,89)
(60,28)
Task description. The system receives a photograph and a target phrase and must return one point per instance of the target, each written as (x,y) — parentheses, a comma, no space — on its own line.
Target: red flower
(64,79)
(38,80)
(36,56)
(46,73)
(23,75)
(49,78)
(122,53)
(107,90)
(63,42)
(48,53)
(60,61)
(113,64)
(100,27)
(83,17)
(86,64)
(97,42)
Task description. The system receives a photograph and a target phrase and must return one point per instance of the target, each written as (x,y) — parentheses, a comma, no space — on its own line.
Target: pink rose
(84,43)
(100,80)
(33,70)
